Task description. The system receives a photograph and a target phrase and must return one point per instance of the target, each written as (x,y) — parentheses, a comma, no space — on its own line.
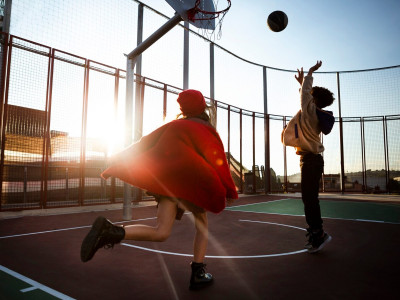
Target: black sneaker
(102,234)
(199,278)
(318,242)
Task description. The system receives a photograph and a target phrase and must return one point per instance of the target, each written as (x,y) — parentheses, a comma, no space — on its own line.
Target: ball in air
(277,21)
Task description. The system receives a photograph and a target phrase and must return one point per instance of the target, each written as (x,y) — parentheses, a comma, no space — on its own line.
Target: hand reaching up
(314,68)
(300,76)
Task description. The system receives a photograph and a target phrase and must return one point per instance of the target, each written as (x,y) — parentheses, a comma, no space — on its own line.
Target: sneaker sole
(199,286)
(88,247)
(313,250)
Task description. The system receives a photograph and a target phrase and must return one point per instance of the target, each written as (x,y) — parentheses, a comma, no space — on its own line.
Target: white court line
(291,215)
(250,204)
(64,229)
(32,288)
(264,222)
(215,256)
(225,256)
(35,285)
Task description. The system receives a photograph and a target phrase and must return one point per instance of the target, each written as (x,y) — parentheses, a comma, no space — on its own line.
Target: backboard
(200,20)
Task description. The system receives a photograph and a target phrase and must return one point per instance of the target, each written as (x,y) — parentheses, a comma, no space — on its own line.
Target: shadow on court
(252,253)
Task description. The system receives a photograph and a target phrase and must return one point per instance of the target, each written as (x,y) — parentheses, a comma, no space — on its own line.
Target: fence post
(212,79)
(66,184)
(386,150)
(285,181)
(254,152)
(267,162)
(229,135)
(342,176)
(240,150)
(25,183)
(5,80)
(364,174)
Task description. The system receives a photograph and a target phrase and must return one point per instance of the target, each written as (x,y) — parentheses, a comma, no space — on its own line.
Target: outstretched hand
(300,76)
(315,67)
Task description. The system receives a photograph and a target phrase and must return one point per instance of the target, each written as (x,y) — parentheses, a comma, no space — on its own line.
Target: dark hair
(209,115)
(322,96)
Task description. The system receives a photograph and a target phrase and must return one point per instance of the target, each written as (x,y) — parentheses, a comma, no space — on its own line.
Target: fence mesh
(62,118)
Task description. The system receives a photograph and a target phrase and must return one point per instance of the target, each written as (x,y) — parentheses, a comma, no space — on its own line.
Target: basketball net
(197,13)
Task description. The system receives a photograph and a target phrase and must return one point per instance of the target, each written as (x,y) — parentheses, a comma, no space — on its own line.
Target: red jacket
(183,159)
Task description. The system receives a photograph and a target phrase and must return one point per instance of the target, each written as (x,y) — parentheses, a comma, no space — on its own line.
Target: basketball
(277,21)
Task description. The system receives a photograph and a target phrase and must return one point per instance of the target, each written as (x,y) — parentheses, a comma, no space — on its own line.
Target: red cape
(183,159)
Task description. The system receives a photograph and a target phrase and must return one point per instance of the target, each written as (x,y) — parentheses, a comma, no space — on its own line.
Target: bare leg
(165,219)
(201,237)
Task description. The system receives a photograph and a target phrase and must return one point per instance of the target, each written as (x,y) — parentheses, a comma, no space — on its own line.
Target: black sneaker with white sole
(102,234)
(317,242)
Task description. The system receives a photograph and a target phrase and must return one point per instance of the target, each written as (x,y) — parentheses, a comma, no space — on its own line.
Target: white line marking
(331,218)
(223,256)
(263,222)
(32,288)
(215,256)
(64,229)
(35,284)
(250,204)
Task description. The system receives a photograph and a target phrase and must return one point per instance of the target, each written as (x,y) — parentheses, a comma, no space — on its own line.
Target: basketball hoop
(200,14)
(204,14)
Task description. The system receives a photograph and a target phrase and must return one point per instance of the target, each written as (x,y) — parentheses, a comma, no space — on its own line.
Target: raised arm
(314,68)
(300,76)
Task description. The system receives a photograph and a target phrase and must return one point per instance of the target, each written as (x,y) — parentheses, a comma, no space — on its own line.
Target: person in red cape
(183,165)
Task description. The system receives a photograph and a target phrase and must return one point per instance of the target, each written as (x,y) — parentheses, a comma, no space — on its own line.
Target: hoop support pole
(171,23)
(132,58)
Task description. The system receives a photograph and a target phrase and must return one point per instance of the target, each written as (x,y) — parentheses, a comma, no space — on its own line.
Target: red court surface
(251,255)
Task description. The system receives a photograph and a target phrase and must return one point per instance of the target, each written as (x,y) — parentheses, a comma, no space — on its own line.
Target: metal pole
(155,36)
(342,176)
(285,180)
(212,80)
(229,135)
(127,211)
(363,166)
(267,162)
(186,56)
(7,16)
(132,58)
(240,150)
(254,152)
(386,151)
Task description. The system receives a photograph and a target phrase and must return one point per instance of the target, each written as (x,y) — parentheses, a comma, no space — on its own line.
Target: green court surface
(349,210)
(16,286)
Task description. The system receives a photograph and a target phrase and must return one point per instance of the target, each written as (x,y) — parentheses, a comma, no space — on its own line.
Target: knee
(161,235)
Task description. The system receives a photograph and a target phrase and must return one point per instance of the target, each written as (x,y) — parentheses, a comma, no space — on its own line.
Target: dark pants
(312,167)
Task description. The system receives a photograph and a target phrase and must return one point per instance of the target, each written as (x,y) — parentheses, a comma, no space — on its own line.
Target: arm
(300,76)
(314,68)
(305,93)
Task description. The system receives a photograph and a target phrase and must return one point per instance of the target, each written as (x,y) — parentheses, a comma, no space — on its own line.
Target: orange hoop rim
(191,13)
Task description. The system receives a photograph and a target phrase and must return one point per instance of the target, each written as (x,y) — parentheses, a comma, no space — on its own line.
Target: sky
(344,34)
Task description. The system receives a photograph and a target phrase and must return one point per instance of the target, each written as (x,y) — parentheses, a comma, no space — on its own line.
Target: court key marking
(229,256)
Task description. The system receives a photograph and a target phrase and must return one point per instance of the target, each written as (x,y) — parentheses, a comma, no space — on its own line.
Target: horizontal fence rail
(62,116)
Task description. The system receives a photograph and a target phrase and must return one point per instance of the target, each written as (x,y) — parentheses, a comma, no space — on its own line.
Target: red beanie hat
(191,102)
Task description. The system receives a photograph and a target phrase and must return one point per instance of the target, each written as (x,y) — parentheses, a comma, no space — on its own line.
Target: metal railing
(57,161)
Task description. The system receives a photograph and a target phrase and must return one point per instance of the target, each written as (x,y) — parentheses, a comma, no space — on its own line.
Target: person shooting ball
(303,133)
(183,165)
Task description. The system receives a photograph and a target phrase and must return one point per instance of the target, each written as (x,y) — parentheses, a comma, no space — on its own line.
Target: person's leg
(311,171)
(199,277)
(166,213)
(104,233)
(201,237)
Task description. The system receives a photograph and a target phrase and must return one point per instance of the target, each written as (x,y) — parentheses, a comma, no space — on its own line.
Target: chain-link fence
(64,114)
